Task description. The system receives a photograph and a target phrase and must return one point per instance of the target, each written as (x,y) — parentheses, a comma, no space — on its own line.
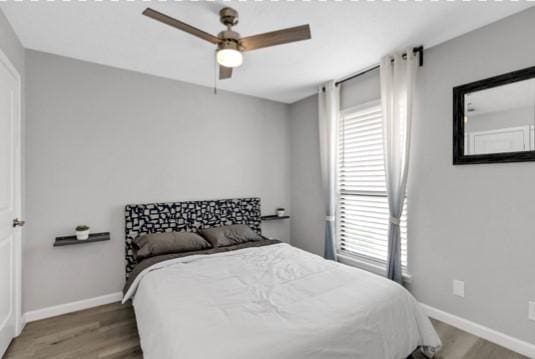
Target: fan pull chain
(215,73)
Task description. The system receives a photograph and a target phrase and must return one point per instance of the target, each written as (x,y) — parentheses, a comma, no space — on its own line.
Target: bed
(262,299)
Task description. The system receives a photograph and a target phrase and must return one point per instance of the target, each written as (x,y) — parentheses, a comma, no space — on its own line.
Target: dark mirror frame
(459,158)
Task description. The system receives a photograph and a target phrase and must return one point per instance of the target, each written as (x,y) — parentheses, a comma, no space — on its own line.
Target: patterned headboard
(186,216)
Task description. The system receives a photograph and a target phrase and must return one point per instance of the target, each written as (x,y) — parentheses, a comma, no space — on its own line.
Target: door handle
(18,222)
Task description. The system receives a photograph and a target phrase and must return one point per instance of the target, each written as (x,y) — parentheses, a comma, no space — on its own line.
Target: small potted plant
(82,232)
(281,212)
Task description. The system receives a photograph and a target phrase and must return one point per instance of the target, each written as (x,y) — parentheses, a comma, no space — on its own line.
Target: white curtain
(328,109)
(397,87)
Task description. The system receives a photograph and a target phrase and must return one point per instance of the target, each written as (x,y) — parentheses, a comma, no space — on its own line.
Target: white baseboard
(20,327)
(481,331)
(70,307)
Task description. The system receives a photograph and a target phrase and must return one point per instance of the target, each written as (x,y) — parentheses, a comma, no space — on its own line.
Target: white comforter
(273,302)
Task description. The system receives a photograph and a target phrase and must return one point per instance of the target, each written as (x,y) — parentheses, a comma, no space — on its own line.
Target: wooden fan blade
(225,72)
(278,37)
(158,16)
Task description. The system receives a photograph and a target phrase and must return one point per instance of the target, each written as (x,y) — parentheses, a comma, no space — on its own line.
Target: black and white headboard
(186,216)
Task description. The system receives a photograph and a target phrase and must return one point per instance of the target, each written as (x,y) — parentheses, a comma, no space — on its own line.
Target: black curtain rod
(417,50)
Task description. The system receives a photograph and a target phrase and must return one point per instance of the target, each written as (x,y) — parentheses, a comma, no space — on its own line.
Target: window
(362,213)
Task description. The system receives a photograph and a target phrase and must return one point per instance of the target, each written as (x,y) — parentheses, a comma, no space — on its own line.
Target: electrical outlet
(458,288)
(531,314)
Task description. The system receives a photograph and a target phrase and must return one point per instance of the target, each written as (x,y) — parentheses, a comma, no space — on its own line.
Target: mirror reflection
(500,119)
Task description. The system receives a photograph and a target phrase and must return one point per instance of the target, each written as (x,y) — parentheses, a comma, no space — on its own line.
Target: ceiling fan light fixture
(230,44)
(229,56)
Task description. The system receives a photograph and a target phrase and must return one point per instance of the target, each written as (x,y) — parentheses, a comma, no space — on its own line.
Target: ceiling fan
(230,44)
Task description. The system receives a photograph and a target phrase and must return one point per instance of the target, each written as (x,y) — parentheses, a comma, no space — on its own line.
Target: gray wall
(308,206)
(472,223)
(10,44)
(99,138)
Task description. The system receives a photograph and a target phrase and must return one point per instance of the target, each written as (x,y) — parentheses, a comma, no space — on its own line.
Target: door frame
(17,231)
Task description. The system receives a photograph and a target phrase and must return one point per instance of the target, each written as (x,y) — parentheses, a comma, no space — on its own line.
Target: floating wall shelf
(93,237)
(273,217)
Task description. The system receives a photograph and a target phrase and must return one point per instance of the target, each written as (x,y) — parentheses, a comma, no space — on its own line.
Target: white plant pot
(82,235)
(281,212)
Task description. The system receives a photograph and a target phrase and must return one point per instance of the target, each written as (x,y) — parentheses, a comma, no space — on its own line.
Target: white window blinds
(362,216)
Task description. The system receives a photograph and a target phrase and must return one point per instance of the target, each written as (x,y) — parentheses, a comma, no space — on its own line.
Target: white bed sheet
(275,302)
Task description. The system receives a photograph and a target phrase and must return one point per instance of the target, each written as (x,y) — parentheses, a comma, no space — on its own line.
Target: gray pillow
(154,244)
(229,235)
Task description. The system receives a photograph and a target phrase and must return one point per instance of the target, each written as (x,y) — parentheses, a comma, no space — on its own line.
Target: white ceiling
(346,36)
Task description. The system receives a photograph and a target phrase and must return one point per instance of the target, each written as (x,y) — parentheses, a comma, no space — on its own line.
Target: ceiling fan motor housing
(228,16)
(229,44)
(231,39)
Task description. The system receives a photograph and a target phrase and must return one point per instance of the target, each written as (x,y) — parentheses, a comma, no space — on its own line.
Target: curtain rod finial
(420,51)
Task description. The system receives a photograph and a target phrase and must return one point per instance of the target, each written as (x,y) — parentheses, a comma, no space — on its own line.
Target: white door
(511,139)
(10,187)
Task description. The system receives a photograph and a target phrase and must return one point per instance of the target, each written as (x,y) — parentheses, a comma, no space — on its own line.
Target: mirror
(500,119)
(494,119)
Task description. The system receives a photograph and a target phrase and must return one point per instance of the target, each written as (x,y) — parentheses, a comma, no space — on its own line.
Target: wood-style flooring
(109,332)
